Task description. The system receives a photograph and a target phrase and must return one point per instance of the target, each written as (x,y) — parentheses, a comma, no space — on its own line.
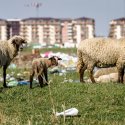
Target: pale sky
(103,11)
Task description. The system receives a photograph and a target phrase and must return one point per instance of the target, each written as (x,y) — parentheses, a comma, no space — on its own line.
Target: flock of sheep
(91,53)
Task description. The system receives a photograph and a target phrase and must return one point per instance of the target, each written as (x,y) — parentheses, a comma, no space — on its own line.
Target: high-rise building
(67,30)
(75,30)
(42,30)
(84,29)
(49,30)
(3,30)
(13,27)
(117,28)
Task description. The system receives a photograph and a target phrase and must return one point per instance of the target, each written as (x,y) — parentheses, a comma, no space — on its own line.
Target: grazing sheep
(8,50)
(101,52)
(39,68)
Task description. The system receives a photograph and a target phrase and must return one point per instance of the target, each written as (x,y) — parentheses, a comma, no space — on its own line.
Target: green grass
(98,104)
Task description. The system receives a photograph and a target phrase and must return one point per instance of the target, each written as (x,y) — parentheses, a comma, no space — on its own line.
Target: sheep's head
(18,42)
(54,60)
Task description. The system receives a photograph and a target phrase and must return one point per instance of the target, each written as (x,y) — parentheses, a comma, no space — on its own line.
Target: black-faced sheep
(101,52)
(40,67)
(8,50)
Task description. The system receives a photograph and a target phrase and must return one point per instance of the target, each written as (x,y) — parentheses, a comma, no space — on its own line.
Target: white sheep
(8,50)
(101,52)
(104,71)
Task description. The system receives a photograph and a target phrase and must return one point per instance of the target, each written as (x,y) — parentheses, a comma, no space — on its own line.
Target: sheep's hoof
(5,86)
(82,81)
(93,81)
(120,82)
(41,86)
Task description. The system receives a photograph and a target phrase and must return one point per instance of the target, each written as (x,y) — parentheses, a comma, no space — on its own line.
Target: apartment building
(67,30)
(3,29)
(83,28)
(117,28)
(49,30)
(75,30)
(13,27)
(42,30)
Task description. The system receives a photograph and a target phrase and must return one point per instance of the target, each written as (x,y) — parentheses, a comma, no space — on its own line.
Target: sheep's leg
(81,72)
(46,77)
(40,80)
(81,67)
(4,76)
(90,71)
(120,75)
(31,78)
(91,77)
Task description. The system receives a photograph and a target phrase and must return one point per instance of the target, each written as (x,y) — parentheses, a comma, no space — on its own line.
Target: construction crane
(36,5)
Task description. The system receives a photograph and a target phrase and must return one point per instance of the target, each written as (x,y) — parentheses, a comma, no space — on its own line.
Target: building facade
(84,28)
(3,30)
(49,30)
(117,28)
(13,27)
(41,30)
(67,30)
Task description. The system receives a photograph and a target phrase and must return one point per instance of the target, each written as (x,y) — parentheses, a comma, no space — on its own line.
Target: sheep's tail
(80,62)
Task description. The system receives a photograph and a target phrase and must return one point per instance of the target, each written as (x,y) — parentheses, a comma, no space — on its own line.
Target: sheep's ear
(59,58)
(13,41)
(24,41)
(50,58)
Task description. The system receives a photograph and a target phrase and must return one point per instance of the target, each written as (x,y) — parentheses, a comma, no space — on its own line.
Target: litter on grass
(68,112)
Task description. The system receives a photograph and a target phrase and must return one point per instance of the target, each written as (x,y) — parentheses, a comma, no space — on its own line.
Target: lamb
(8,50)
(101,52)
(111,77)
(105,71)
(40,67)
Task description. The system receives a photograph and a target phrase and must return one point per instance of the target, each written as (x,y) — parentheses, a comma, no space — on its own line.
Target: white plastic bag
(68,112)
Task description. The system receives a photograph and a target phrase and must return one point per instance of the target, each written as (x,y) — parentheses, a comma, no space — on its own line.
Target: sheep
(104,71)
(101,52)
(8,50)
(40,67)
(111,77)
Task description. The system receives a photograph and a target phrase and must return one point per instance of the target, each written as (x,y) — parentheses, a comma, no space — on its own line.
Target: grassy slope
(98,104)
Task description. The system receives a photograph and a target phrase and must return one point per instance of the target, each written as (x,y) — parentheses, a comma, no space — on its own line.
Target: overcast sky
(102,11)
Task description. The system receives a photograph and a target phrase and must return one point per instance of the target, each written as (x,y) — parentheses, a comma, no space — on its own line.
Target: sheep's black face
(23,44)
(54,60)
(19,42)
